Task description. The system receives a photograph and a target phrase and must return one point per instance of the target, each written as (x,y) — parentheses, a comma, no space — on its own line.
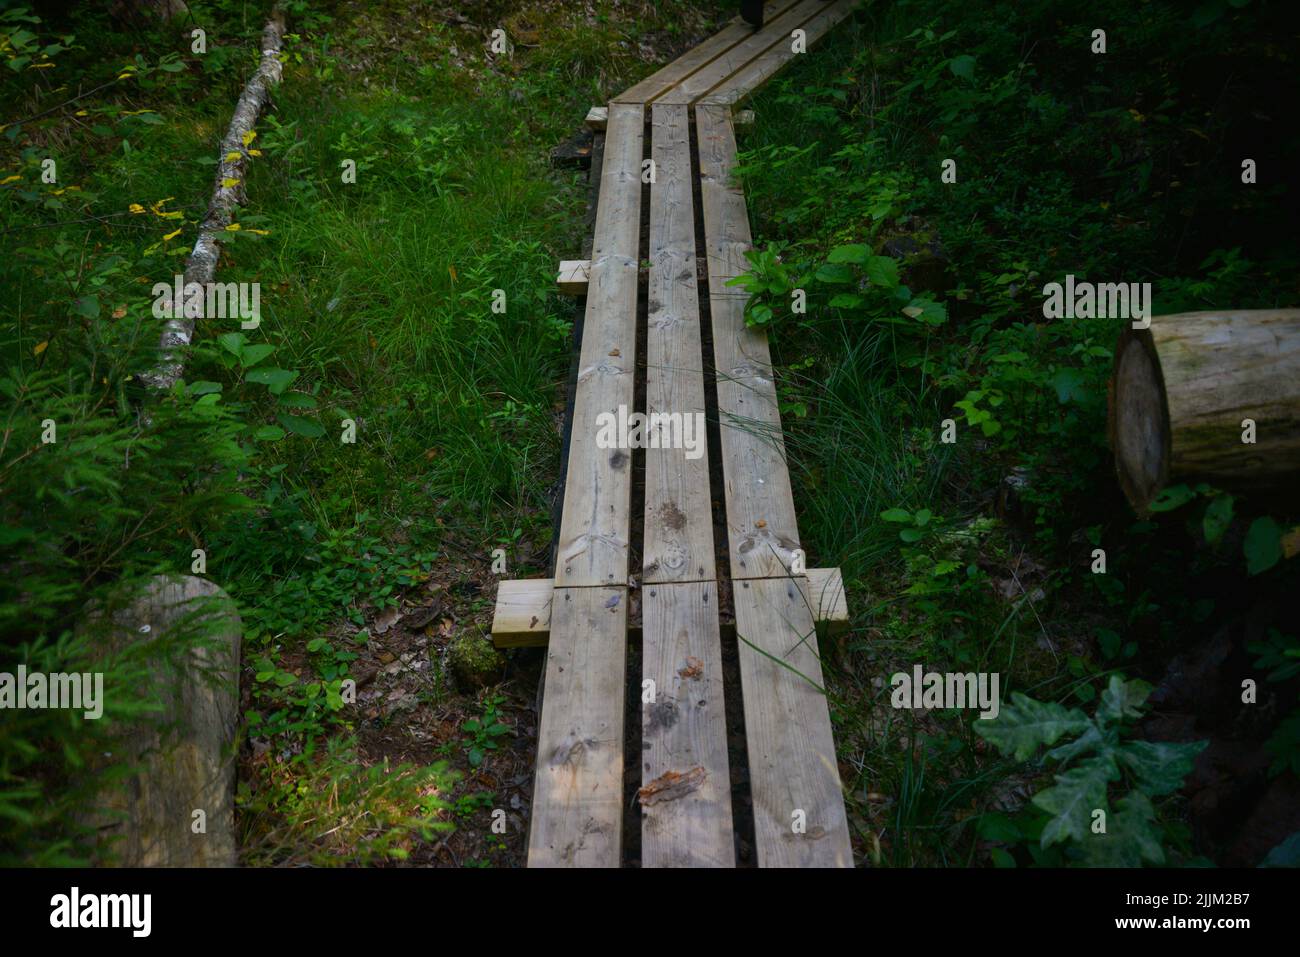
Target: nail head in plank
(791,749)
(686,787)
(577,813)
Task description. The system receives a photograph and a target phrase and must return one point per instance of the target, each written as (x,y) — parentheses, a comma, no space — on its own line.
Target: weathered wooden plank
(523,610)
(678,543)
(775,32)
(762,531)
(761,69)
(595,527)
(799,818)
(660,82)
(577,814)
(597,117)
(686,791)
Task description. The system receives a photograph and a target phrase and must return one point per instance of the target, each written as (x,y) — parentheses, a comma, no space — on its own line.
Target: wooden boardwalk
(583,614)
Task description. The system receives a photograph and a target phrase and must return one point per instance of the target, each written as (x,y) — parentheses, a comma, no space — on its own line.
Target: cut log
(1181,391)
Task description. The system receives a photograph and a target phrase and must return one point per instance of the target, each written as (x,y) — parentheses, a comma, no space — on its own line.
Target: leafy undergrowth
(949,437)
(349,466)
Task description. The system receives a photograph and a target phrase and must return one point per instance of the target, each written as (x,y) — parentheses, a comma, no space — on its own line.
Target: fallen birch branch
(201,266)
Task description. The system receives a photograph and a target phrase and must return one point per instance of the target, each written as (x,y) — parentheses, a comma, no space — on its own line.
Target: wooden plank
(597,117)
(686,788)
(660,82)
(577,814)
(794,779)
(595,526)
(678,541)
(762,532)
(522,617)
(758,71)
(573,277)
(523,609)
(775,32)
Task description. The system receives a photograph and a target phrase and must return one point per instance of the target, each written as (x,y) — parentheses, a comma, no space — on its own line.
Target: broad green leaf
(1218,516)
(1263,545)
(269,433)
(1026,724)
(1091,740)
(1122,699)
(1171,498)
(252,355)
(1159,767)
(1071,801)
(232,342)
(962,66)
(1131,838)
(308,428)
(275,380)
(883,271)
(853,253)
(896,515)
(835,272)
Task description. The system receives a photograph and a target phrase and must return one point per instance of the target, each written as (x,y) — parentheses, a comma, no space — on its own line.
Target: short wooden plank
(762,532)
(596,522)
(758,71)
(577,814)
(597,117)
(660,82)
(523,612)
(799,818)
(686,788)
(775,32)
(573,277)
(523,609)
(678,541)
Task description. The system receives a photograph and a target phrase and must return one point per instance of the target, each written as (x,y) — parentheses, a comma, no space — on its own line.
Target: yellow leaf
(40,66)
(233,155)
(9,179)
(228,182)
(254,152)
(250,136)
(124,76)
(234,228)
(452,269)
(40,347)
(176,215)
(82,113)
(136,209)
(260,232)
(172,235)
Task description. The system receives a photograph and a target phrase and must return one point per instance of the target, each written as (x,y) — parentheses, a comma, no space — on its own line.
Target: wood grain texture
(684,731)
(775,32)
(1181,389)
(762,68)
(678,543)
(762,531)
(595,528)
(658,83)
(787,726)
(577,814)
